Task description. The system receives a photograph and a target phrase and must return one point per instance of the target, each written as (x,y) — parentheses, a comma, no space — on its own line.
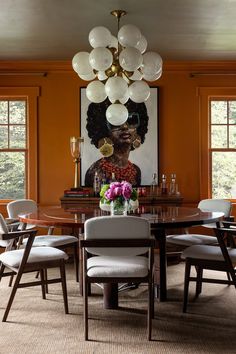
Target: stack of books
(78,193)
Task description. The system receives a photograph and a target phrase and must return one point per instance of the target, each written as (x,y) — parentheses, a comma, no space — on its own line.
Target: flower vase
(119,207)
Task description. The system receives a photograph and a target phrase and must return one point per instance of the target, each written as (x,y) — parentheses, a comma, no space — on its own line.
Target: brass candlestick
(76,152)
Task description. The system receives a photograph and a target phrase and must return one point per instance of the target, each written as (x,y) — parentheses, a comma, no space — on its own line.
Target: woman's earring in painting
(105,146)
(136,142)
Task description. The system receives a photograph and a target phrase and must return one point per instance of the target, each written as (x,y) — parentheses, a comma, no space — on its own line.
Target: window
(218,142)
(18,143)
(13,149)
(223,148)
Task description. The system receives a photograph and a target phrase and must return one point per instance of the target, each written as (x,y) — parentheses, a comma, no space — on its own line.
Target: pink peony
(118,190)
(126,190)
(109,194)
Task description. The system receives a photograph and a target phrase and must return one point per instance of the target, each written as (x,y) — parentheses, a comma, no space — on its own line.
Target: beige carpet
(40,326)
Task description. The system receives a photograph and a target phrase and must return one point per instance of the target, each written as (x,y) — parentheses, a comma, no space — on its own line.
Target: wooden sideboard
(151,200)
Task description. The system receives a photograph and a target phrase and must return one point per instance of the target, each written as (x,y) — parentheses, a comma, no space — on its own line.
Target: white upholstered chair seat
(205,205)
(37,254)
(191,239)
(208,252)
(106,266)
(52,240)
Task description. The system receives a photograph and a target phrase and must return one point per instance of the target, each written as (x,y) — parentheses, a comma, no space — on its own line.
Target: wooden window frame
(205,96)
(30,94)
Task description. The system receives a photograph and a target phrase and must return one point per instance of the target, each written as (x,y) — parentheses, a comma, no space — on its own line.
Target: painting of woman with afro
(116,142)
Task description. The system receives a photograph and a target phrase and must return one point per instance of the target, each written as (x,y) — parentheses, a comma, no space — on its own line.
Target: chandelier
(118,68)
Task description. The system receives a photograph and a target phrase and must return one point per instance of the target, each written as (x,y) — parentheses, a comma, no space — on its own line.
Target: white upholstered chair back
(21,206)
(3,230)
(216,205)
(123,227)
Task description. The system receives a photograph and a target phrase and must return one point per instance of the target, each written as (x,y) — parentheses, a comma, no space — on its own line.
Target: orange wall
(59,116)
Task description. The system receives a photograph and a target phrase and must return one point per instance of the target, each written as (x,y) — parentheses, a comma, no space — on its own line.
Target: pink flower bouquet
(119,192)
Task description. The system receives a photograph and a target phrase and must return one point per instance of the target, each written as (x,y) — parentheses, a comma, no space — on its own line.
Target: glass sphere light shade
(95,92)
(100,59)
(80,63)
(129,36)
(152,62)
(139,91)
(117,114)
(142,44)
(88,77)
(130,59)
(116,88)
(100,36)
(154,77)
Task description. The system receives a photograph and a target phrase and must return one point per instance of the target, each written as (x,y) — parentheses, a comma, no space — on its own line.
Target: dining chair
(220,257)
(188,239)
(22,206)
(20,261)
(120,249)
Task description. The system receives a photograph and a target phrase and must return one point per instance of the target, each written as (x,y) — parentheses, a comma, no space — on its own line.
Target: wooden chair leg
(80,272)
(228,277)
(85,296)
(199,281)
(64,288)
(11,280)
(150,310)
(76,261)
(186,284)
(2,268)
(43,283)
(46,279)
(13,292)
(233,276)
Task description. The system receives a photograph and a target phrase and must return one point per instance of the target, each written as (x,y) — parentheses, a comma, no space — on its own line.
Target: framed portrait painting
(145,157)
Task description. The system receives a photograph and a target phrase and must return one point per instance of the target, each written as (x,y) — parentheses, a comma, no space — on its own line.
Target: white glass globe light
(101,75)
(142,44)
(117,114)
(137,75)
(139,91)
(130,59)
(153,77)
(129,36)
(116,88)
(124,99)
(99,37)
(113,43)
(152,63)
(95,92)
(80,63)
(100,58)
(88,77)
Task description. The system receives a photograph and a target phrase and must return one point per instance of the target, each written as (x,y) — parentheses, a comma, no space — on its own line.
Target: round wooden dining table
(161,218)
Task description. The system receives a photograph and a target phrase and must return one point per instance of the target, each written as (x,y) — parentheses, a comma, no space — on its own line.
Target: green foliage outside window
(223,149)
(12,149)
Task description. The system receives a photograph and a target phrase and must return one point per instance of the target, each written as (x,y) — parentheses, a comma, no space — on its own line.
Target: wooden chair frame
(225,236)
(117,243)
(32,267)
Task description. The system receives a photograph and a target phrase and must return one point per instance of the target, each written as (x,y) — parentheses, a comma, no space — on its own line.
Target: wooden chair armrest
(17,234)
(229,218)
